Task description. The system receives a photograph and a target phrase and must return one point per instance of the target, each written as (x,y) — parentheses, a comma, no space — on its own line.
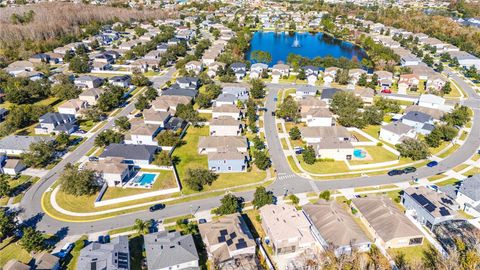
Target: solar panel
(221,239)
(240,245)
(229,242)
(223,232)
(233,235)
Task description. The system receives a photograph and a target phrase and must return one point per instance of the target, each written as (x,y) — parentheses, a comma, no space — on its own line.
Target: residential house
(333,226)
(239,91)
(436,114)
(229,242)
(141,133)
(229,110)
(311,70)
(153,117)
(213,68)
(170,250)
(136,154)
(72,106)
(327,94)
(187,82)
(465,59)
(45,261)
(468,195)
(407,81)
(13,166)
(386,223)
(308,103)
(101,256)
(213,144)
(169,103)
(429,207)
(365,93)
(435,83)
(306,90)
(88,81)
(385,79)
(91,95)
(122,80)
(287,229)
(225,126)
(13,264)
(240,70)
(227,160)
(333,149)
(329,75)
(177,91)
(175,124)
(313,135)
(257,69)
(113,171)
(318,117)
(423,123)
(39,58)
(56,123)
(355,74)
(194,66)
(17,144)
(395,132)
(282,69)
(19,67)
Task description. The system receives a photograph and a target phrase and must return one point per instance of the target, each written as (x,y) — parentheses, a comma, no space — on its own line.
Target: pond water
(280,45)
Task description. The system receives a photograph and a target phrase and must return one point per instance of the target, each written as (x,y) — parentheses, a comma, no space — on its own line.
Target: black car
(156,207)
(395,172)
(409,170)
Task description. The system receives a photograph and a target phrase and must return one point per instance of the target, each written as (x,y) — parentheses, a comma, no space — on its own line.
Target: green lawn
(165,180)
(436,177)
(464,135)
(292,164)
(14,184)
(448,182)
(449,151)
(189,158)
(460,167)
(412,254)
(360,137)
(9,249)
(86,124)
(120,230)
(377,153)
(472,171)
(284,143)
(435,150)
(324,167)
(372,131)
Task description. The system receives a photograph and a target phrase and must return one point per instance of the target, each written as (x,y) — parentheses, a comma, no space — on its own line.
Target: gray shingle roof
(16,142)
(113,255)
(417,117)
(470,187)
(168,249)
(130,151)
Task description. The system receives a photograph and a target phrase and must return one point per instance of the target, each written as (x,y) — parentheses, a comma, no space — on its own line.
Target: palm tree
(141,226)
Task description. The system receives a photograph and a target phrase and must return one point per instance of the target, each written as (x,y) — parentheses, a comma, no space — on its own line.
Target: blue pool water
(311,45)
(146,179)
(359,153)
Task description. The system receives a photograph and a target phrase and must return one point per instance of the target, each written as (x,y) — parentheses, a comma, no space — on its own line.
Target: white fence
(137,197)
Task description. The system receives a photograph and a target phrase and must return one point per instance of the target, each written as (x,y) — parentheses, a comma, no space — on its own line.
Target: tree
(78,182)
(4,186)
(362,81)
(342,77)
(111,98)
(294,199)
(62,141)
(414,149)
(343,102)
(139,80)
(288,109)
(198,177)
(229,204)
(107,137)
(301,75)
(447,88)
(163,159)
(325,195)
(7,223)
(40,154)
(188,113)
(79,64)
(434,139)
(93,114)
(295,133)
(151,93)
(262,161)
(309,155)
(142,103)
(427,59)
(65,90)
(142,226)
(168,138)
(258,143)
(122,123)
(458,117)
(32,240)
(261,56)
(258,88)
(373,115)
(262,197)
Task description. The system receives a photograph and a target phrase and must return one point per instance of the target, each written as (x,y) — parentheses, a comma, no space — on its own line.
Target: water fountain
(296,43)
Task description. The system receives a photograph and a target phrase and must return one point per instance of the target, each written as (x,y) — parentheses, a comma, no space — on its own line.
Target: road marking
(283,176)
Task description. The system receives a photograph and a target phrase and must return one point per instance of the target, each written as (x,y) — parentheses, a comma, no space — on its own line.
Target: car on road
(138,115)
(386,91)
(432,164)
(275,99)
(409,170)
(156,207)
(81,131)
(273,113)
(262,109)
(395,172)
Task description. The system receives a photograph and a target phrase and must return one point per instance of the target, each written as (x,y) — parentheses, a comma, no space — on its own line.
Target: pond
(280,45)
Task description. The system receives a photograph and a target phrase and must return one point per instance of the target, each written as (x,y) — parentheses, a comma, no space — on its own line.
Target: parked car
(433,187)
(100,239)
(275,99)
(432,164)
(273,113)
(202,221)
(65,250)
(386,91)
(298,150)
(92,158)
(156,207)
(409,170)
(395,172)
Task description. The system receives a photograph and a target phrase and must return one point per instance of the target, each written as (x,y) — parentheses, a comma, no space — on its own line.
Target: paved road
(291,184)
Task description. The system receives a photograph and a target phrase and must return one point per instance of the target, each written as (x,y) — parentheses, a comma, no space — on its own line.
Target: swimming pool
(359,153)
(145,179)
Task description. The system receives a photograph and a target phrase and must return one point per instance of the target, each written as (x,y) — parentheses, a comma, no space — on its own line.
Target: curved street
(291,184)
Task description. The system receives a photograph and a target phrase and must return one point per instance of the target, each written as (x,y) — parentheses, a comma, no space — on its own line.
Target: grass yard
(372,131)
(412,254)
(449,151)
(378,154)
(460,167)
(17,186)
(362,189)
(472,171)
(324,167)
(435,150)
(86,124)
(360,137)
(189,158)
(284,143)
(464,135)
(436,177)
(475,157)
(10,249)
(120,230)
(451,181)
(292,164)
(165,180)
